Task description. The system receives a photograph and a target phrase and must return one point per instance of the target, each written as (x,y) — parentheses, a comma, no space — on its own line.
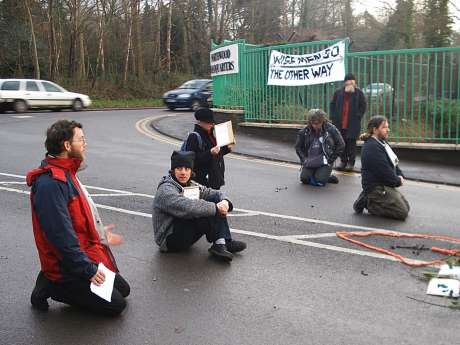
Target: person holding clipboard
(209,166)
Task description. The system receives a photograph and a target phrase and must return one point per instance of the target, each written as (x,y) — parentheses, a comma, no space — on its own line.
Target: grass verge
(125,103)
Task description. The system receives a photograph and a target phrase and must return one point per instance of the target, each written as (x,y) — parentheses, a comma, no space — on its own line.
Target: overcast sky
(376,6)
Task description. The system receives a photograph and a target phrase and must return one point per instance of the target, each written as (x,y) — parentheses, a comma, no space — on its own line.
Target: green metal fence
(417,89)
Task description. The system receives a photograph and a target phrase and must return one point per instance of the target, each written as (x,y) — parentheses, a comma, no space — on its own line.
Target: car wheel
(20,106)
(196,104)
(171,107)
(77,105)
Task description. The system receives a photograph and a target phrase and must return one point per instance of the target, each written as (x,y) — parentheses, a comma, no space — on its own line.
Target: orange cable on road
(346,235)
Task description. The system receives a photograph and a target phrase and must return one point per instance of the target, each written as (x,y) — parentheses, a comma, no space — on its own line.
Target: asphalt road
(296,283)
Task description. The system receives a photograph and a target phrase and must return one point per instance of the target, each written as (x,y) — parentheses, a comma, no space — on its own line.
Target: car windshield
(193,84)
(376,86)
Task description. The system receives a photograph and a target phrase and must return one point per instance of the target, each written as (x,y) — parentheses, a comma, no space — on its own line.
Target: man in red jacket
(69,234)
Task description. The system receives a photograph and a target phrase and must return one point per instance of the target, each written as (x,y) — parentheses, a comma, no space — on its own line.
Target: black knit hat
(182,159)
(349,76)
(205,115)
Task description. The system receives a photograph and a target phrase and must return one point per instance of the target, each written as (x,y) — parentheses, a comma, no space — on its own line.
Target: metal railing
(418,90)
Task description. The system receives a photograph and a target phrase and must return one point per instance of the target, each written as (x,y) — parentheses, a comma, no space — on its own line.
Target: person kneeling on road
(380,174)
(70,236)
(318,145)
(184,211)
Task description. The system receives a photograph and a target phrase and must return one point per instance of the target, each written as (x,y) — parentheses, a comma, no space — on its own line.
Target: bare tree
(157,38)
(34,42)
(129,23)
(168,37)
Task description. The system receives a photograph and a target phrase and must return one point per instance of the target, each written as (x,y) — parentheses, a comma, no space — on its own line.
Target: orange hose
(346,235)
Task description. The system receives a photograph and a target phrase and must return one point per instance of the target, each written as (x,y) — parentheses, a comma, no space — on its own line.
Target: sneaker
(41,293)
(220,251)
(235,246)
(341,166)
(333,179)
(349,167)
(360,204)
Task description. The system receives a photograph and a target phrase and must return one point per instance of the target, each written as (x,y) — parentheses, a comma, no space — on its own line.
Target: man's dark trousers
(188,231)
(78,293)
(348,156)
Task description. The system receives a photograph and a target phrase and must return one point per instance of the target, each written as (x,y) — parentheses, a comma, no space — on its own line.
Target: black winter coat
(357,108)
(376,167)
(209,170)
(333,143)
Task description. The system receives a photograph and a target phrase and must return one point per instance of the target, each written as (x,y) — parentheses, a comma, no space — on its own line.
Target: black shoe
(360,204)
(220,251)
(41,293)
(333,179)
(235,246)
(341,166)
(349,167)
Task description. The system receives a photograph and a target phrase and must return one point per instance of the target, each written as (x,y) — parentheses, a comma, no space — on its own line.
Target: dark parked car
(192,94)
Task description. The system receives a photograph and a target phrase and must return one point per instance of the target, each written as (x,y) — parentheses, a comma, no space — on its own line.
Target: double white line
(301,239)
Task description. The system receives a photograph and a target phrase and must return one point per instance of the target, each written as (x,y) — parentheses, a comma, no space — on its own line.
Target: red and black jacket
(67,241)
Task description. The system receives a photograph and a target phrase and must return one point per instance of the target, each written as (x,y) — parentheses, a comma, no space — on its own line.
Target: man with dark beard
(347,108)
(69,234)
(381,174)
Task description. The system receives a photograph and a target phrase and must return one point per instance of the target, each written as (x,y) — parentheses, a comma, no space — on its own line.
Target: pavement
(178,125)
(297,283)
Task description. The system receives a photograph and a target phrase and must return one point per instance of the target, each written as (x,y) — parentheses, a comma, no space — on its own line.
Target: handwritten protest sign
(322,67)
(224,60)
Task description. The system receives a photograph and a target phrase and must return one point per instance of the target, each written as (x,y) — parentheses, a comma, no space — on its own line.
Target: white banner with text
(325,66)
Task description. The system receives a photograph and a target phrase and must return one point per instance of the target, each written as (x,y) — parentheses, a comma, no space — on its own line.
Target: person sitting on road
(184,211)
(380,174)
(318,145)
(209,166)
(69,234)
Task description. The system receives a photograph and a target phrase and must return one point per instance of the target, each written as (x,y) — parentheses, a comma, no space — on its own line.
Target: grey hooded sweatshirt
(169,203)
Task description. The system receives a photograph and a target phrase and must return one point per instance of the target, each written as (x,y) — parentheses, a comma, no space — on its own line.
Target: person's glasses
(81,140)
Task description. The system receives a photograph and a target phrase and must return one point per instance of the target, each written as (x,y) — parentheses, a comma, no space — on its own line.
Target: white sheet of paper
(105,290)
(192,193)
(453,272)
(222,136)
(444,287)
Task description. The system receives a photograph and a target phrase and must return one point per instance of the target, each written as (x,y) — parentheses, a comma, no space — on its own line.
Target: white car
(23,94)
(378,90)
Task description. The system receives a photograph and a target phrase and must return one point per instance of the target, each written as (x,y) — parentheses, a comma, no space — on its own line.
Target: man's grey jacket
(170,203)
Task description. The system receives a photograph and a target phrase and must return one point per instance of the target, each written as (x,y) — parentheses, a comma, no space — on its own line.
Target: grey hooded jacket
(169,203)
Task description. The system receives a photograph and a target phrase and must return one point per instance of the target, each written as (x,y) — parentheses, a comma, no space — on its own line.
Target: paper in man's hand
(105,290)
(224,134)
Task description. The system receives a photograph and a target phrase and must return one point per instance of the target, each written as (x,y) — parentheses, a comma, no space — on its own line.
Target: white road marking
(252,212)
(15,190)
(311,236)
(293,239)
(13,182)
(22,116)
(249,214)
(13,175)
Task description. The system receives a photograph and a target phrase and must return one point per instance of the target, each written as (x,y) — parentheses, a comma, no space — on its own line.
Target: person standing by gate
(347,108)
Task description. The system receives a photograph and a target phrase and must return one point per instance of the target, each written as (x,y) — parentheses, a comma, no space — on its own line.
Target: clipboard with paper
(224,134)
